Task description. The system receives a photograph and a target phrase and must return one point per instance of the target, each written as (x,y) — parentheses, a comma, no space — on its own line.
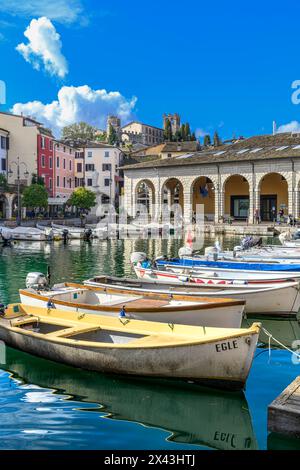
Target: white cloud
(293,126)
(64,11)
(44,47)
(75,104)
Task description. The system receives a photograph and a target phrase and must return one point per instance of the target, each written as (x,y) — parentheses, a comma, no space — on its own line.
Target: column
(251,203)
(221,203)
(217,203)
(9,206)
(187,205)
(291,200)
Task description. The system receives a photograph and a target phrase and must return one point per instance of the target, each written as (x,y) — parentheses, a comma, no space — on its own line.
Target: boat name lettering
(226,346)
(225,437)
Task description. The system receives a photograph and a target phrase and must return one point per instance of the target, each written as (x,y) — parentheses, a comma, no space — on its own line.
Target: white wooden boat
(190,414)
(213,356)
(73,232)
(290,238)
(167,308)
(23,233)
(278,299)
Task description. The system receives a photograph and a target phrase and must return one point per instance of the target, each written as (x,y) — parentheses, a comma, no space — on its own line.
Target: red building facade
(45,159)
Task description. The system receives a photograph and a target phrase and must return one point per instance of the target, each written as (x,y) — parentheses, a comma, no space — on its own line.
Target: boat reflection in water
(192,414)
(285,330)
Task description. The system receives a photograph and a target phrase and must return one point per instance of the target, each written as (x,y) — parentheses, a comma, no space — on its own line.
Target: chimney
(274,128)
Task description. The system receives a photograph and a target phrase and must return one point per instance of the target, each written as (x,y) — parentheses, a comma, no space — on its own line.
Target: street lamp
(26,174)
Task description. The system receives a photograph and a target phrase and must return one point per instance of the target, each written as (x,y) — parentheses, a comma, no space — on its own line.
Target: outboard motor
(65,235)
(185,251)
(88,235)
(137,257)
(36,281)
(6,239)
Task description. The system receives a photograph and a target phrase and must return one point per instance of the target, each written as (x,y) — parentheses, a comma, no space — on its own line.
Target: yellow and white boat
(219,357)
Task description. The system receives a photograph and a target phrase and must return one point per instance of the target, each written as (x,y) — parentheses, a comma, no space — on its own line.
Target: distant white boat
(23,233)
(73,232)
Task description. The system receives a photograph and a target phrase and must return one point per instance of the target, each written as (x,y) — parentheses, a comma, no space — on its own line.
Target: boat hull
(279,300)
(279,269)
(224,364)
(230,316)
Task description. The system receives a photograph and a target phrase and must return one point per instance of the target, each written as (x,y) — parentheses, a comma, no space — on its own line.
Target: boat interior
(69,325)
(52,328)
(93,297)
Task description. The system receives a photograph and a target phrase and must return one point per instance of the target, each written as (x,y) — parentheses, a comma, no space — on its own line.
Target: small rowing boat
(168,308)
(278,299)
(213,356)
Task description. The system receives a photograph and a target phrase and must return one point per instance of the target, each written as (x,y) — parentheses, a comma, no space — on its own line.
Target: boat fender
(122,313)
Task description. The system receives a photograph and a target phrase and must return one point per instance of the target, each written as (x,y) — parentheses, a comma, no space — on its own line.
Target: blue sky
(226,66)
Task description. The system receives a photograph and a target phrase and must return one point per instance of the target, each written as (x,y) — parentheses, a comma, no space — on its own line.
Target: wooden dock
(284,411)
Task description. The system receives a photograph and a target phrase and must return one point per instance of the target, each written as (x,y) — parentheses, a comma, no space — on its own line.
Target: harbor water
(44,405)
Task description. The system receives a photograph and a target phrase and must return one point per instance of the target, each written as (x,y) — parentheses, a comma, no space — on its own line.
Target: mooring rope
(270,336)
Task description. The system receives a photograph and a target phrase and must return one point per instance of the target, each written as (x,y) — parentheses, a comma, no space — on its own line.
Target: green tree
(3,181)
(101,137)
(193,137)
(35,197)
(79,131)
(217,140)
(82,199)
(187,131)
(168,131)
(112,136)
(183,132)
(177,136)
(207,140)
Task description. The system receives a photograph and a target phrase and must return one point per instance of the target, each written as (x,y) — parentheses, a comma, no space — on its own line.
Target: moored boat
(213,356)
(278,299)
(168,308)
(198,262)
(73,232)
(23,233)
(216,273)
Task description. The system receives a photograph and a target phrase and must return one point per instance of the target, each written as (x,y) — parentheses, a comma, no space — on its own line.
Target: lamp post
(26,174)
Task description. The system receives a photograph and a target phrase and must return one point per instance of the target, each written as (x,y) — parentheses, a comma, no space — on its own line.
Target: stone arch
(273,190)
(237,197)
(172,193)
(203,191)
(145,194)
